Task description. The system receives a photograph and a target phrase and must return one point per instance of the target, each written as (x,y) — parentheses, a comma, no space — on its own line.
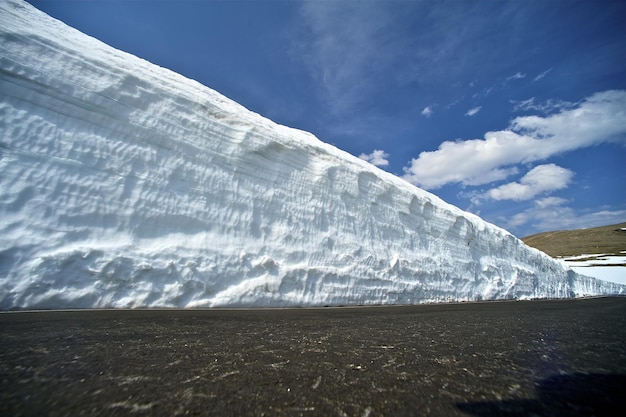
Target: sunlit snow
(606,267)
(123,184)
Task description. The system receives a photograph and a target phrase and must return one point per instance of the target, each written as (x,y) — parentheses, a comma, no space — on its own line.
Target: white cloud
(523,104)
(427,112)
(550,202)
(547,107)
(473,111)
(377,157)
(542,75)
(551,213)
(599,118)
(540,179)
(516,76)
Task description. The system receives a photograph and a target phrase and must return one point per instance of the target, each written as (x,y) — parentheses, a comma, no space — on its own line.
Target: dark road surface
(533,358)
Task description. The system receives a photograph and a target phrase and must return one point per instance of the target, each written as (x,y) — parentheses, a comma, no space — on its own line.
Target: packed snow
(123,184)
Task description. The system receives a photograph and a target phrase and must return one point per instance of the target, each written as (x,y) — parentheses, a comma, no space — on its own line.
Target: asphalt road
(534,358)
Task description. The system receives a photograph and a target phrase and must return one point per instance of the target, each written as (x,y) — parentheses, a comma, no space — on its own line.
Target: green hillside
(605,239)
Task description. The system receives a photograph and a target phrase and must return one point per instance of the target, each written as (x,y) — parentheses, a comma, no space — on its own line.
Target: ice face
(123,184)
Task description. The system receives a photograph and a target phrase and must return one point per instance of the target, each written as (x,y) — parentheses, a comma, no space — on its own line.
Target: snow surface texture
(123,184)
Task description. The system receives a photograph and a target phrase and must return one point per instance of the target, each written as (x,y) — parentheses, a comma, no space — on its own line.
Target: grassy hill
(605,239)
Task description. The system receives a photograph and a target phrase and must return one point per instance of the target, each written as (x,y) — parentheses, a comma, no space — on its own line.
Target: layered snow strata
(123,184)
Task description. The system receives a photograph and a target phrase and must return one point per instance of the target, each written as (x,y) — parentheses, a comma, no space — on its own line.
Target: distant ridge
(604,239)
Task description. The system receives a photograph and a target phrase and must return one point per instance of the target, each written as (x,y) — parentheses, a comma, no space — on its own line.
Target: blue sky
(514,110)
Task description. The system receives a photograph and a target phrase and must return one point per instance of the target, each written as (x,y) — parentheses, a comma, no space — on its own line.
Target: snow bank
(123,184)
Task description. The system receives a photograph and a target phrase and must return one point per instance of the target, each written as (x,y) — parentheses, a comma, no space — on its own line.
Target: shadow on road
(575,395)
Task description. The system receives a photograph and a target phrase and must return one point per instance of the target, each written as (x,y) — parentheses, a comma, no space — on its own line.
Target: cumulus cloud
(427,112)
(540,179)
(550,202)
(599,118)
(473,111)
(377,157)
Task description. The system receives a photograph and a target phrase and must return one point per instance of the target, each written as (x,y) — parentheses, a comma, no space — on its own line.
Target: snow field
(611,268)
(123,184)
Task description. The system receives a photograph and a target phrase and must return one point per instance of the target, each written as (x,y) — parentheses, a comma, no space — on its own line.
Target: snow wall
(123,184)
